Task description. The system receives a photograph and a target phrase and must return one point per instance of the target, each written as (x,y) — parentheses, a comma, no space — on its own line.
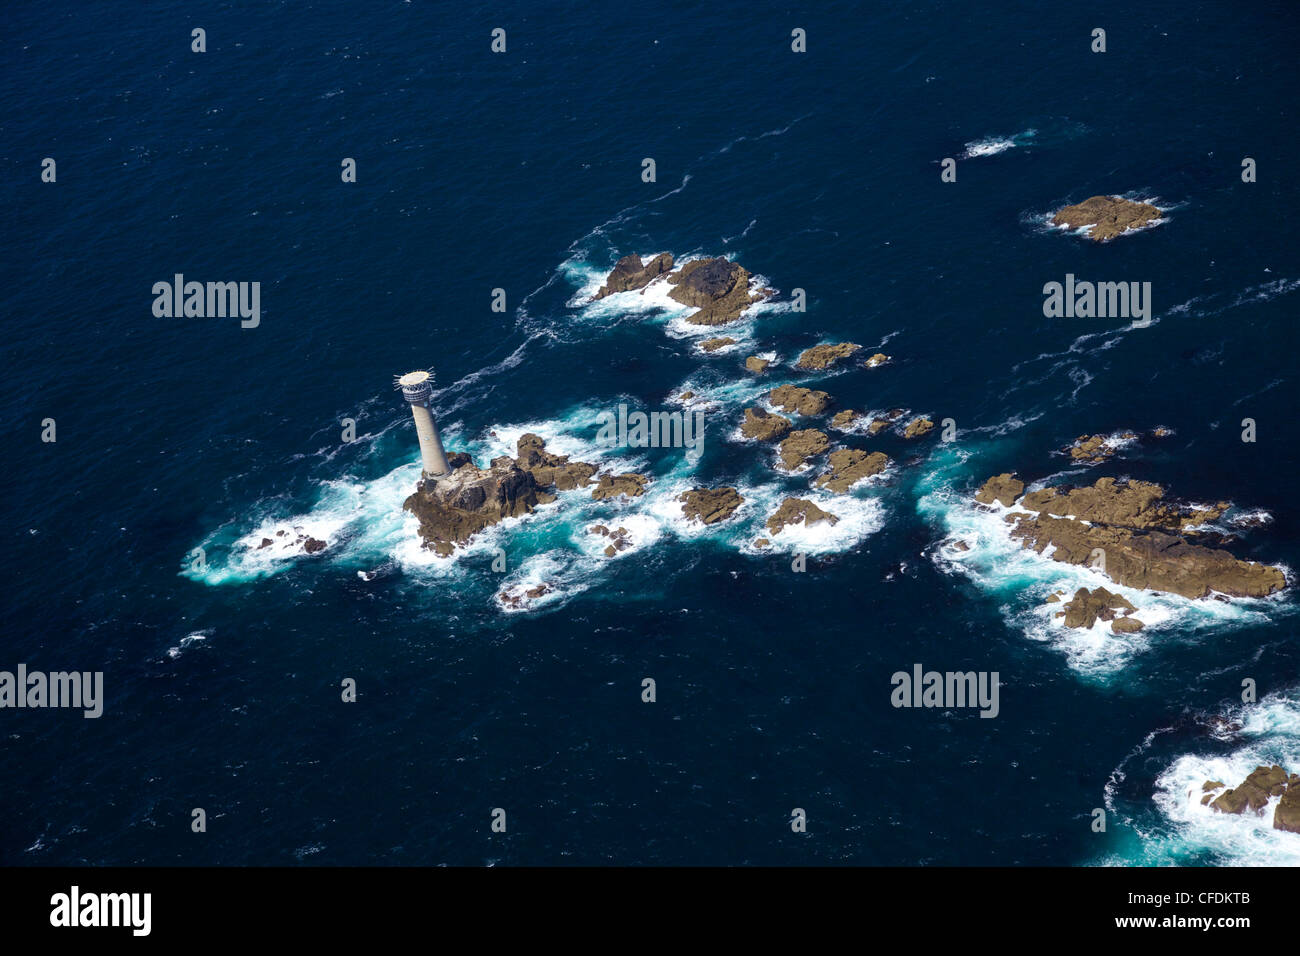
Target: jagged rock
(453,508)
(805,401)
(712,345)
(880,424)
(312,545)
(1212,785)
(266,543)
(1253,793)
(824,356)
(1109,216)
(1126,625)
(795,511)
(1130,523)
(552,470)
(631,273)
(880,358)
(1286,816)
(917,427)
(802,445)
(710,505)
(844,420)
(764,426)
(757,365)
(1003,488)
(719,289)
(1129,504)
(1087,607)
(850,465)
(611,486)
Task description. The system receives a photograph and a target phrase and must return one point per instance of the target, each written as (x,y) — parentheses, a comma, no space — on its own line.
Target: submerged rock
(798,511)
(1109,216)
(849,466)
(710,505)
(519,597)
(631,273)
(824,356)
(764,426)
(793,398)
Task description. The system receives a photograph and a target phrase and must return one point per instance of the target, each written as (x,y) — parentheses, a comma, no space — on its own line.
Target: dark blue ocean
(522,171)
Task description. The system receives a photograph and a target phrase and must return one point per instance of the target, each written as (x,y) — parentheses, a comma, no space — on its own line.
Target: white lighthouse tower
(416,387)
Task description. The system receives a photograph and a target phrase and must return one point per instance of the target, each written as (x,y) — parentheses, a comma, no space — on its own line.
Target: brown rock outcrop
(796,511)
(611,486)
(455,507)
(718,288)
(710,505)
(793,398)
(1087,607)
(824,356)
(1109,216)
(764,426)
(917,427)
(757,365)
(1136,530)
(802,445)
(712,345)
(850,465)
(631,273)
(1003,488)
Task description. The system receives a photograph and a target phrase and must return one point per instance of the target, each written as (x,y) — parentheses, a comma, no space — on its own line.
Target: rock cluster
(1254,792)
(1109,216)
(453,508)
(619,539)
(1088,607)
(301,539)
(1140,537)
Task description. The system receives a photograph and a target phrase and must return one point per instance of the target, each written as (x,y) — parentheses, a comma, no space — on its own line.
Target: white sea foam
(1021,580)
(1270,735)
